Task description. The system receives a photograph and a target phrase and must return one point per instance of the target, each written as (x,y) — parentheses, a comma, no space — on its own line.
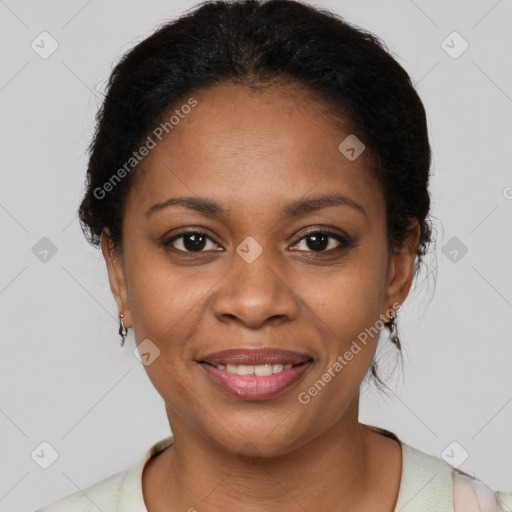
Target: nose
(255,294)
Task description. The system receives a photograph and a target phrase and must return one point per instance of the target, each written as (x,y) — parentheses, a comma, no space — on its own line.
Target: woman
(258,184)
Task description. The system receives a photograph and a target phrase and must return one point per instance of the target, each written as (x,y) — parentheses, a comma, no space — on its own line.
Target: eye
(323,241)
(315,241)
(191,241)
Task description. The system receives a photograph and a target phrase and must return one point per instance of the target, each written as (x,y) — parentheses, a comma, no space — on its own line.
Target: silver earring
(393,329)
(123,331)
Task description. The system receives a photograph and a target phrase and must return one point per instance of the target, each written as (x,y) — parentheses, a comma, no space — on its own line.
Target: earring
(123,331)
(393,329)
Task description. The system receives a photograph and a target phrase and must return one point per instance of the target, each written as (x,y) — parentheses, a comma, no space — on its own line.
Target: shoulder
(103,495)
(121,491)
(471,493)
(430,483)
(426,482)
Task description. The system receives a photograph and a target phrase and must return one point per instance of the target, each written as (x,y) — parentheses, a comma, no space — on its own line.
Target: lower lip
(251,387)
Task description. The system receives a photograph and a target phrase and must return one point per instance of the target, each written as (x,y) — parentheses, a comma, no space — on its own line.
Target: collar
(425,485)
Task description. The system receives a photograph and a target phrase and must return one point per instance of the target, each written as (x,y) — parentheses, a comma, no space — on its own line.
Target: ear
(116,275)
(401,266)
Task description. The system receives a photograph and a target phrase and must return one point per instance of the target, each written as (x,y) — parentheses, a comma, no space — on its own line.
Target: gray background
(64,378)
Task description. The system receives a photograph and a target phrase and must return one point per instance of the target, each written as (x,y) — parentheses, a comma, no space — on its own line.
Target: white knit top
(428,484)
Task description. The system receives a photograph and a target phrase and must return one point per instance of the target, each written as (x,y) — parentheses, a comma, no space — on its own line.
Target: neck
(335,470)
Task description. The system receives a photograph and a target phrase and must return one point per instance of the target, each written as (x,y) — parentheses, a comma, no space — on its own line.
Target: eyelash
(345,242)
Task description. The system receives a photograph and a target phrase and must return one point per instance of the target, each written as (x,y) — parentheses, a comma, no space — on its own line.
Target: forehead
(254,149)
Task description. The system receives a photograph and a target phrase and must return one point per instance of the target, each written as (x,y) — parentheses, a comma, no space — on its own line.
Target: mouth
(259,370)
(255,374)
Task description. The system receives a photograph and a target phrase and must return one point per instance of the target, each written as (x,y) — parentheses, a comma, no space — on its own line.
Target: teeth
(260,370)
(245,369)
(263,370)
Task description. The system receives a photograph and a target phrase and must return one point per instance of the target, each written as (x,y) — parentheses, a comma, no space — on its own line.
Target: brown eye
(191,241)
(323,241)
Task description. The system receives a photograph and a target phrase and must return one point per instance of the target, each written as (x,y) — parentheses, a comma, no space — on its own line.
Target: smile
(260,370)
(249,386)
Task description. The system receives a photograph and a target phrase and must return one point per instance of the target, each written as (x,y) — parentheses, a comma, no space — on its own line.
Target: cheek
(349,298)
(346,307)
(163,299)
(346,310)
(169,306)
(166,307)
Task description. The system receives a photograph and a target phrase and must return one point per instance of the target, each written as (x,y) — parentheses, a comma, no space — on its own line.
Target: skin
(255,152)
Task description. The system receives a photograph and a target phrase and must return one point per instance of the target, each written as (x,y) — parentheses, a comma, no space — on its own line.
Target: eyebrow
(300,207)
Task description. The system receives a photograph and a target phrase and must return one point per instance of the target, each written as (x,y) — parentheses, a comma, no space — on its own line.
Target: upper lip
(255,356)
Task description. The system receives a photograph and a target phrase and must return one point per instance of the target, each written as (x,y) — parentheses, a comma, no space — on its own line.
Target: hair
(256,42)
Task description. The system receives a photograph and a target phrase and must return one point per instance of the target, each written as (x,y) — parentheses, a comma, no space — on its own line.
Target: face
(257,265)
